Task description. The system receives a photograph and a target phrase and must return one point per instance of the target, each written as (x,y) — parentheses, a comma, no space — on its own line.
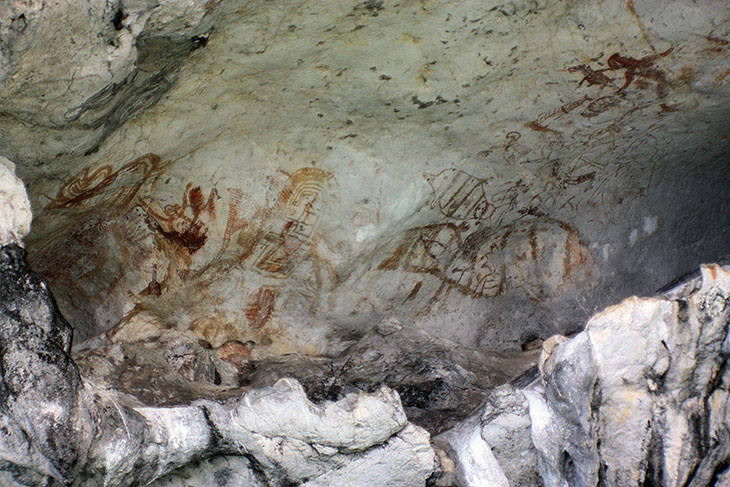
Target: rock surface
(486,172)
(15,214)
(72,72)
(438,382)
(354,194)
(493,447)
(41,409)
(62,429)
(641,396)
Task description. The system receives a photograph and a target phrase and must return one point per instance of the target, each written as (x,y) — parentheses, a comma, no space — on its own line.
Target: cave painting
(153,240)
(599,154)
(184,223)
(457,194)
(498,234)
(106,187)
(112,198)
(288,236)
(643,70)
(123,212)
(605,167)
(541,256)
(540,124)
(261,305)
(642,73)
(273,241)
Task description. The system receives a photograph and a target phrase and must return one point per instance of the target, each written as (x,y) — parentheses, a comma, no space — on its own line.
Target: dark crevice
(200,40)
(118,19)
(719,469)
(567,467)
(602,479)
(258,470)
(654,474)
(19,24)
(527,378)
(215,437)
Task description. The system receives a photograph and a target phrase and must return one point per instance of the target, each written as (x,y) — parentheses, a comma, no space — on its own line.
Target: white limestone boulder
(641,396)
(15,213)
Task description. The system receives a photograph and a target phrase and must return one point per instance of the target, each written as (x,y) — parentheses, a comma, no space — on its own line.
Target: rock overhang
(354,195)
(489,173)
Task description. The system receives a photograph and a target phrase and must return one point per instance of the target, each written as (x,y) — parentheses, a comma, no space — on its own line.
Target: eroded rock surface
(641,396)
(493,447)
(15,214)
(42,410)
(72,72)
(354,194)
(438,381)
(62,429)
(487,172)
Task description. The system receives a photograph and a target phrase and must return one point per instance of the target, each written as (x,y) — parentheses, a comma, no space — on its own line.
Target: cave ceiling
(289,175)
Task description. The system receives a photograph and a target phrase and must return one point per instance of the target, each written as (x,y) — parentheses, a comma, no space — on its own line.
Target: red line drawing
(459,195)
(641,68)
(182,223)
(484,263)
(105,187)
(261,306)
(288,237)
(591,76)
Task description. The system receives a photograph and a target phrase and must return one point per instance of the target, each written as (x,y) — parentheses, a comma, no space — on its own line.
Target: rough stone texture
(60,430)
(487,172)
(438,382)
(15,214)
(505,422)
(40,408)
(353,194)
(493,447)
(72,72)
(641,396)
(221,471)
(284,438)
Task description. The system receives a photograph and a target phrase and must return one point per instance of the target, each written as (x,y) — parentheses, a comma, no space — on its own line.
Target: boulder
(641,396)
(493,447)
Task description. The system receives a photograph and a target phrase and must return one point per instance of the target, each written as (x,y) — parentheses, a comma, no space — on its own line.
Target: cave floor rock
(439,382)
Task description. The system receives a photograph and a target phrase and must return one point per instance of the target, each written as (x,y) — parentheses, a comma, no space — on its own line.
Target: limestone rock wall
(15,213)
(487,172)
(72,72)
(104,423)
(641,396)
(324,190)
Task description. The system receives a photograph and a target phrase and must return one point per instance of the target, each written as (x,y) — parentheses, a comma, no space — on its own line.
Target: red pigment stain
(192,238)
